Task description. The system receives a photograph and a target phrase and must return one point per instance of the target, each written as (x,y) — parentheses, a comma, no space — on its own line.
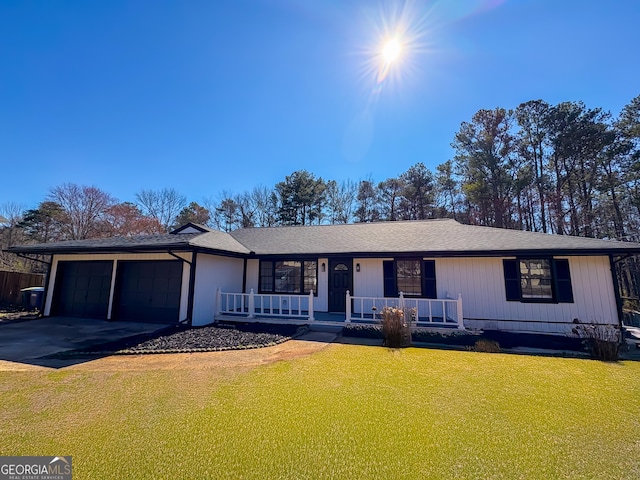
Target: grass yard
(344,412)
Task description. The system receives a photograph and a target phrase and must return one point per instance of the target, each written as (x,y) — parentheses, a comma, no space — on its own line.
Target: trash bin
(32,297)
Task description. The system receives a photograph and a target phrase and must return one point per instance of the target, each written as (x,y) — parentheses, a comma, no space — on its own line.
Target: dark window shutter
(564,292)
(429,279)
(389,274)
(511,280)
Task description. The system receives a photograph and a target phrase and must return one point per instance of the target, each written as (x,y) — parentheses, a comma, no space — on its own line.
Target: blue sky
(212,96)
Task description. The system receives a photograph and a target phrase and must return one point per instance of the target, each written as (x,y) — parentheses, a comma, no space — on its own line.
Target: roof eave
(106,249)
(132,249)
(463,253)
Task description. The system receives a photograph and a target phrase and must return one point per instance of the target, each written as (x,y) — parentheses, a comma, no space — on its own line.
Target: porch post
(112,289)
(348,308)
(252,304)
(460,318)
(401,305)
(218,301)
(311,318)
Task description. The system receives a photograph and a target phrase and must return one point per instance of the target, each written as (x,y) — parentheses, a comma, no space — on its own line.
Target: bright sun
(391,50)
(394,41)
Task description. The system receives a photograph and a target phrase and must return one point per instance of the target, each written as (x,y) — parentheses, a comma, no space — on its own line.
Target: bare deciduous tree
(341,199)
(82,208)
(11,213)
(10,234)
(163,205)
(266,206)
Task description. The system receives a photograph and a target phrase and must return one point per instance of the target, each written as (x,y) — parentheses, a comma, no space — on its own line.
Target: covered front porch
(289,308)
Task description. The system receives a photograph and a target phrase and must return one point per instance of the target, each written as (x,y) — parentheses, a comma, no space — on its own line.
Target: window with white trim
(535,278)
(538,279)
(288,276)
(409,277)
(413,277)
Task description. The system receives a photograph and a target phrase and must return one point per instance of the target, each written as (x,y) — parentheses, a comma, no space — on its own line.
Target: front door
(340,280)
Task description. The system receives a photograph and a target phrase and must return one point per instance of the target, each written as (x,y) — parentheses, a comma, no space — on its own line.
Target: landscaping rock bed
(237,336)
(10,313)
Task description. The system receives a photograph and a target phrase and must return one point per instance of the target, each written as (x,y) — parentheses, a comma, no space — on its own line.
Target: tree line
(564,169)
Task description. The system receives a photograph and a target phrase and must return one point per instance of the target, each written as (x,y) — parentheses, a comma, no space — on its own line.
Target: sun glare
(389,57)
(400,41)
(394,39)
(391,50)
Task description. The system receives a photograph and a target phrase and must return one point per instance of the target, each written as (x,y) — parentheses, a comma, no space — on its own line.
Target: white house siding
(369,281)
(321,301)
(184,294)
(253,275)
(213,272)
(481,283)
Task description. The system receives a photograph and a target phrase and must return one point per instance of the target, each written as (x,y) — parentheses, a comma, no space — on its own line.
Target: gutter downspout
(244,275)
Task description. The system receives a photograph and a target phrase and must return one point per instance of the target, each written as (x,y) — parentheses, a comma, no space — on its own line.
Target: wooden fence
(12,282)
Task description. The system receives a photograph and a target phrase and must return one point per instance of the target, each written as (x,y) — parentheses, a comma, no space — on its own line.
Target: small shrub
(362,331)
(601,341)
(456,338)
(485,345)
(396,327)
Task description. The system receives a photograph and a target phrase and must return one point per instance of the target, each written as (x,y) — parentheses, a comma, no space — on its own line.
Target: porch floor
(327,318)
(319,317)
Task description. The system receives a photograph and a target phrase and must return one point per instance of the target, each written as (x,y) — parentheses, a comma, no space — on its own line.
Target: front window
(535,278)
(266,276)
(288,276)
(409,277)
(544,280)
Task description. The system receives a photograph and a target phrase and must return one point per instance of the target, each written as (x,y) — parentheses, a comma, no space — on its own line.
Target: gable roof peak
(192,228)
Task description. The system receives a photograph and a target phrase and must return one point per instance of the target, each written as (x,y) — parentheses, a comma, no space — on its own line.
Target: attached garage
(82,289)
(148,291)
(148,278)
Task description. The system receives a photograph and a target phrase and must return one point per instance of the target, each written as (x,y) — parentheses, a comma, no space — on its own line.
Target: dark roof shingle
(436,237)
(141,242)
(425,236)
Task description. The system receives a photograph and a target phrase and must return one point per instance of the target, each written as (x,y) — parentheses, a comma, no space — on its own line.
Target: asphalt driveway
(30,341)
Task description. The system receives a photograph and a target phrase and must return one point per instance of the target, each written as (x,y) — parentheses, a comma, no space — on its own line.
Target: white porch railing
(430,311)
(265,305)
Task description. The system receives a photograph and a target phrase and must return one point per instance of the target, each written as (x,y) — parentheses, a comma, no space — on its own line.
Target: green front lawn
(345,412)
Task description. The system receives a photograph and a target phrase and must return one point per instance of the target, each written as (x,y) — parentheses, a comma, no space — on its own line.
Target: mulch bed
(468,339)
(181,339)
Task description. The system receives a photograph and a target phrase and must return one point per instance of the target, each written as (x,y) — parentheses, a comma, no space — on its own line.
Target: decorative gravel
(198,339)
(16,314)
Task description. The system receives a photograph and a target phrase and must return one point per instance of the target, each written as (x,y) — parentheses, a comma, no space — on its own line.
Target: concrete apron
(31,340)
